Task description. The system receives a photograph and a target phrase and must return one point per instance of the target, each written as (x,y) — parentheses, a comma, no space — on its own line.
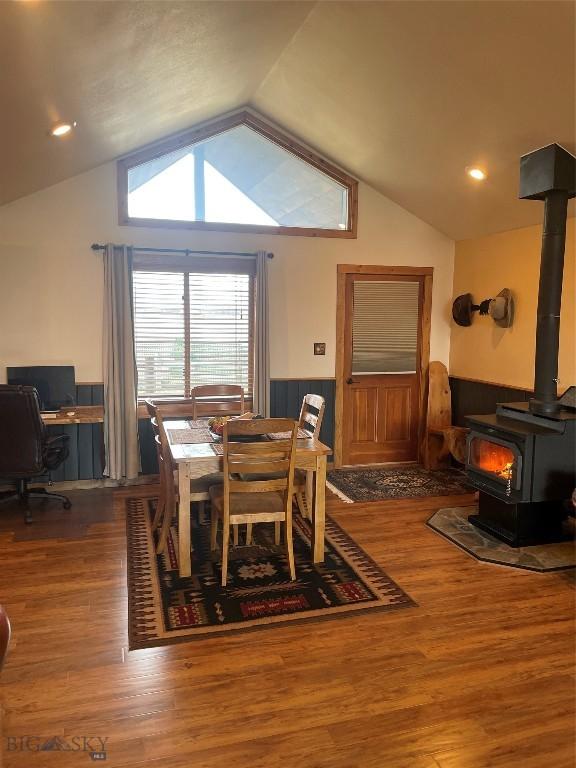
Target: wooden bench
(442,439)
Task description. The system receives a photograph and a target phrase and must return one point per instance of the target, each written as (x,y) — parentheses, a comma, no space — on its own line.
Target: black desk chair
(26,450)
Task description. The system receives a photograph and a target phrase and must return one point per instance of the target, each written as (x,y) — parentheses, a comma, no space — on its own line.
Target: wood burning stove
(524,467)
(522,459)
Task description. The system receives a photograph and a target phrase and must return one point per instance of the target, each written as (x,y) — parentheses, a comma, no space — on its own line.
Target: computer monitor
(56,384)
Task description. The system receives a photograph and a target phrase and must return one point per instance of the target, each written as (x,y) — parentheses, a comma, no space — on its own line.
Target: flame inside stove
(492,457)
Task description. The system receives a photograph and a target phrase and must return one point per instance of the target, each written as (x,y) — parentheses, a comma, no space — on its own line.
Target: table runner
(186,436)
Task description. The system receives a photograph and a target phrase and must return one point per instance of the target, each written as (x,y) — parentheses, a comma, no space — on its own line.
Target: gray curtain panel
(262,351)
(120,377)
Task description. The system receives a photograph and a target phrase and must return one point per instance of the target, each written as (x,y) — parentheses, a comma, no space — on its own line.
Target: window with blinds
(192,326)
(385,327)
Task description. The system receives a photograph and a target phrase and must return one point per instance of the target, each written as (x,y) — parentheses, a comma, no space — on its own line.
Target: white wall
(51,282)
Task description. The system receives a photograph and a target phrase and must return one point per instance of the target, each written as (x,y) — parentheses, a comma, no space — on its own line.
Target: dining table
(194,459)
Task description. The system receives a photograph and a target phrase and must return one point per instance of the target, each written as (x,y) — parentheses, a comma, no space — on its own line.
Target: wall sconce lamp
(500,309)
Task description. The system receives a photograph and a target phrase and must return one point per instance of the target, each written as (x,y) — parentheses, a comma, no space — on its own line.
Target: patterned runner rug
(164,608)
(359,485)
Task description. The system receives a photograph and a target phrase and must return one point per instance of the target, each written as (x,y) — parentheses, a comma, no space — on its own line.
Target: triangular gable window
(237,174)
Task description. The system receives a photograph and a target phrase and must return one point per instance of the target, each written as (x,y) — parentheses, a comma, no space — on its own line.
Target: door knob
(350,380)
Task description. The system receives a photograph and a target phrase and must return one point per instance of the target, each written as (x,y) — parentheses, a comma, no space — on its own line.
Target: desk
(82,414)
(197,459)
(86,459)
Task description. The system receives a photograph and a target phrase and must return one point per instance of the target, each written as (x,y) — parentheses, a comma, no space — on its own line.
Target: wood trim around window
(423,333)
(206,131)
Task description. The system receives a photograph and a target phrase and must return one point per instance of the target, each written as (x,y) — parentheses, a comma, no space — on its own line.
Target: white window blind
(159,332)
(192,328)
(220,329)
(385,326)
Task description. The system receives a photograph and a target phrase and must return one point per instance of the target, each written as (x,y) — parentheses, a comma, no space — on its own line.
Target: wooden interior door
(381,367)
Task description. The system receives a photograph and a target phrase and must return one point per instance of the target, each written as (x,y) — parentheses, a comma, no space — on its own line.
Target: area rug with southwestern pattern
(165,608)
(360,485)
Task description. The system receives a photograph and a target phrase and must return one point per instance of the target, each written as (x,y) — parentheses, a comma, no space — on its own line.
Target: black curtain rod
(100,247)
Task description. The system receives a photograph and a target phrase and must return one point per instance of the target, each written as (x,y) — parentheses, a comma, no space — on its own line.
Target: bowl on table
(216,425)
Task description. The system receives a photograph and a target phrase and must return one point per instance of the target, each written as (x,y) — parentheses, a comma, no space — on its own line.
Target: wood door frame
(424,332)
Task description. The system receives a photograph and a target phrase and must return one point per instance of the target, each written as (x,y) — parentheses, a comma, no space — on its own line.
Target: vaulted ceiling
(404,95)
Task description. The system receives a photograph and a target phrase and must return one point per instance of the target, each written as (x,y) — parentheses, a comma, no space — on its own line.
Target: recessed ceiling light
(61,129)
(476,173)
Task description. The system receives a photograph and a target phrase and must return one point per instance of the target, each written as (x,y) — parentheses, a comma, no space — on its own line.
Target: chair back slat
(205,400)
(269,448)
(311,414)
(260,486)
(162,412)
(240,467)
(316,401)
(309,421)
(177,409)
(270,461)
(217,399)
(165,463)
(155,421)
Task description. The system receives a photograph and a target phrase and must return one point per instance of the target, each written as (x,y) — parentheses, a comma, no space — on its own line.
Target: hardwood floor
(479,675)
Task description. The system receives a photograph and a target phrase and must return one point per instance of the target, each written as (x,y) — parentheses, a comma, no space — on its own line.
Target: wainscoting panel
(85,461)
(286,397)
(477,398)
(86,442)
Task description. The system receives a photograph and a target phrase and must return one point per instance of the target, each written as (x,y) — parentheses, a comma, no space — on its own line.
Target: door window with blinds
(385,327)
(193,323)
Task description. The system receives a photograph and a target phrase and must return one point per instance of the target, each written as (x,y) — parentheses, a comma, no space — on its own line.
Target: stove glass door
(495,459)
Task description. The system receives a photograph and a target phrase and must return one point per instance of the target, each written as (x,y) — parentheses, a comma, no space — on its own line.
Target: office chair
(26,450)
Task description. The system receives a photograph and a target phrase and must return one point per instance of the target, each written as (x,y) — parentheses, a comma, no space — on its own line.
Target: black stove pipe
(549,174)
(549,301)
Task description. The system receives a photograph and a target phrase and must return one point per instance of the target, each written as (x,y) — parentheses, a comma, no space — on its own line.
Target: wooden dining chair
(217,400)
(310,420)
(161,506)
(267,499)
(168,499)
